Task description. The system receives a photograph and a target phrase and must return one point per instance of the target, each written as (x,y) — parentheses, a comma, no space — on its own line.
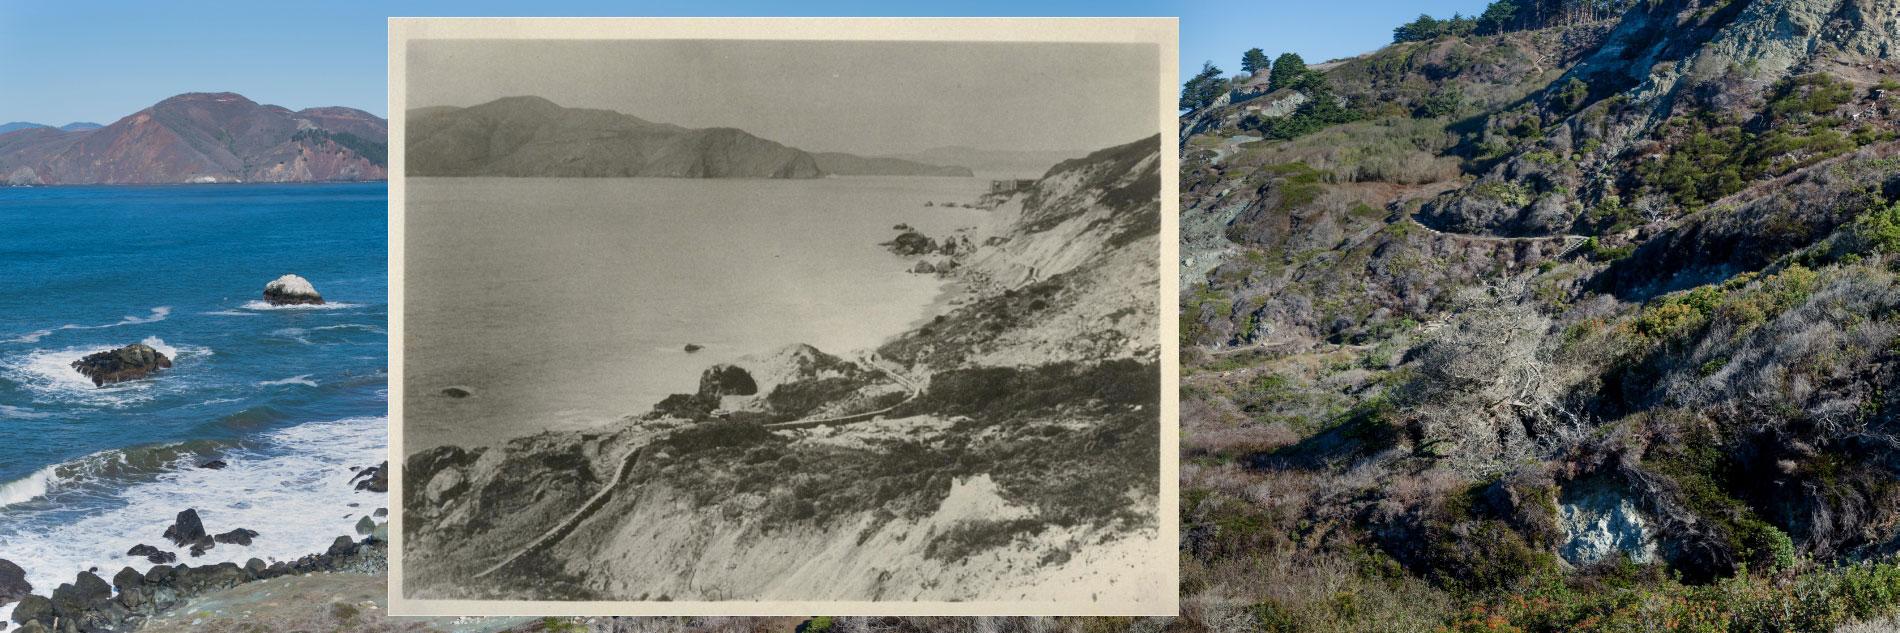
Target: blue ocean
(291,398)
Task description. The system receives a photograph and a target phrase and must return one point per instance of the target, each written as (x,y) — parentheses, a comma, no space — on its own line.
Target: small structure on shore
(291,290)
(1014,185)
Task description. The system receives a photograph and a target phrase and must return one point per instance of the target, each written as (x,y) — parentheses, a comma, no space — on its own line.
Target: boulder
(256,567)
(911,243)
(127,578)
(82,595)
(238,536)
(33,609)
(456,392)
(694,347)
(924,266)
(365,525)
(343,546)
(291,290)
(188,529)
(727,380)
(131,362)
(152,554)
(216,464)
(13,584)
(445,486)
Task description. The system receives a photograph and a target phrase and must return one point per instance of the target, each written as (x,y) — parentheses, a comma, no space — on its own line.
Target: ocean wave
(230,313)
(291,485)
(261,305)
(28,488)
(300,379)
(157,314)
(109,467)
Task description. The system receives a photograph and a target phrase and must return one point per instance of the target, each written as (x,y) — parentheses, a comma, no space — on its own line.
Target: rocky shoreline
(91,604)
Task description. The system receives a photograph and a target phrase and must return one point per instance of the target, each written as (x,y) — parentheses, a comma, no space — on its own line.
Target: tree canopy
(1254,60)
(1204,88)
(1288,71)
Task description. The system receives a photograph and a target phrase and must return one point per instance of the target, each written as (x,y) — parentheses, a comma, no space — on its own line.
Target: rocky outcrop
(911,243)
(13,584)
(151,553)
(239,536)
(291,290)
(131,362)
(372,478)
(187,529)
(90,604)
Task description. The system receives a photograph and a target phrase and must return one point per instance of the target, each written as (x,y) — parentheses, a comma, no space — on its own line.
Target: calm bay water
(290,398)
(567,303)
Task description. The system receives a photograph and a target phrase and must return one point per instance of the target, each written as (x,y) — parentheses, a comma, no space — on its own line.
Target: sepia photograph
(769,316)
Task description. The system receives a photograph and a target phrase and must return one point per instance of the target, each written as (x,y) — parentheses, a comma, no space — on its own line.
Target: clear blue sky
(98,61)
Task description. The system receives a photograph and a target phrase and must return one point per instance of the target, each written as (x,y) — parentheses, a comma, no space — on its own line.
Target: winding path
(599,500)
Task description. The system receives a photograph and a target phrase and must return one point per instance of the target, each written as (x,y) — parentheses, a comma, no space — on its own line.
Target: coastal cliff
(202,138)
(986,455)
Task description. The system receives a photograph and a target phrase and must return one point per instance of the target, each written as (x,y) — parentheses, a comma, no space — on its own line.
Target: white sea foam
(258,304)
(21,413)
(231,313)
(157,314)
(50,377)
(301,379)
(294,490)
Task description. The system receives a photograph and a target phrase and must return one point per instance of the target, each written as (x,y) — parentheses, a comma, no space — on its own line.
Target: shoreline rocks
(131,362)
(13,584)
(291,290)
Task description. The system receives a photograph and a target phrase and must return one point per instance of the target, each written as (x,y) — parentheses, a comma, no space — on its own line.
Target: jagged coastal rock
(131,362)
(187,529)
(291,290)
(13,584)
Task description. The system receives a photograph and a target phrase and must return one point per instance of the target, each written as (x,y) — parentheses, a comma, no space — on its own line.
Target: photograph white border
(1163,33)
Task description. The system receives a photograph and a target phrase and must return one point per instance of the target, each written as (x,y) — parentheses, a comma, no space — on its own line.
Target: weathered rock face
(131,362)
(1599,521)
(727,380)
(291,290)
(187,529)
(13,584)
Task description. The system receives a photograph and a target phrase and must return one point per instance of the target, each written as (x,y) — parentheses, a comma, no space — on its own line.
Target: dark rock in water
(911,243)
(694,347)
(365,525)
(187,529)
(727,380)
(455,392)
(131,362)
(374,478)
(924,267)
(37,609)
(343,546)
(291,290)
(153,554)
(199,548)
(13,584)
(238,536)
(381,512)
(216,464)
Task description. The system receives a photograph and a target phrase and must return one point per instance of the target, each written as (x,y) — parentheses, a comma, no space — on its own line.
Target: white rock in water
(291,289)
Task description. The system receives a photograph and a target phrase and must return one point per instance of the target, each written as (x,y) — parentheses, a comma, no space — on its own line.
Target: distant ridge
(530,136)
(1021,163)
(202,137)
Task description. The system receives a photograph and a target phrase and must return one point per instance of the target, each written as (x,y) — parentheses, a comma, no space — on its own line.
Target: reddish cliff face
(204,137)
